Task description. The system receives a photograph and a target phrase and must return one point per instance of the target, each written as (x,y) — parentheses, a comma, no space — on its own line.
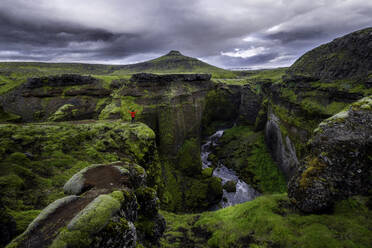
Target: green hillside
(13,74)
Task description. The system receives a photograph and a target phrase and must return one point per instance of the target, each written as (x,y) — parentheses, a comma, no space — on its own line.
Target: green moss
(24,218)
(219,110)
(313,107)
(89,221)
(314,168)
(207,172)
(363,104)
(8,117)
(118,195)
(189,161)
(289,94)
(182,193)
(65,112)
(110,110)
(269,221)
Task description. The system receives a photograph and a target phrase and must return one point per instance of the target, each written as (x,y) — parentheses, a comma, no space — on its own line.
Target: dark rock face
(347,57)
(339,164)
(173,105)
(7,226)
(168,78)
(57,81)
(281,149)
(221,108)
(40,98)
(249,106)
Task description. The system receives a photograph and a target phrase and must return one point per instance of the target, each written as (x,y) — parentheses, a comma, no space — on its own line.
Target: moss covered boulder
(103,214)
(339,164)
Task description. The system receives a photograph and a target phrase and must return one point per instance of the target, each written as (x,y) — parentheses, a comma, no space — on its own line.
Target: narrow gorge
(276,158)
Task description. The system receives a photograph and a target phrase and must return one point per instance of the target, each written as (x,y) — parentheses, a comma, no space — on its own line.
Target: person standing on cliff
(133,115)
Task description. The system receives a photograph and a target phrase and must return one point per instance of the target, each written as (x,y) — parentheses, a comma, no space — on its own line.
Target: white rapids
(244,192)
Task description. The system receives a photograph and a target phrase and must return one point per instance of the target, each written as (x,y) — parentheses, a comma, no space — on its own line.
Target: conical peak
(174,53)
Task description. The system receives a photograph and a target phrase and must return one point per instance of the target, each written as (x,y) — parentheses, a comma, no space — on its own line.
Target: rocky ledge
(167,78)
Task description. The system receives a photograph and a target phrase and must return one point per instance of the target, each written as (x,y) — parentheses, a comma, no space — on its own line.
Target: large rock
(347,57)
(339,164)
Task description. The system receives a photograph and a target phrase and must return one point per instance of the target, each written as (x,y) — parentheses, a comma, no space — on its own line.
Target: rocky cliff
(340,160)
(318,85)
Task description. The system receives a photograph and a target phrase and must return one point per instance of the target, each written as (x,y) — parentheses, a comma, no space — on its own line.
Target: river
(244,192)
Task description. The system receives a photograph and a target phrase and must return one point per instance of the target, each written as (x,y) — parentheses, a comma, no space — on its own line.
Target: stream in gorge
(244,192)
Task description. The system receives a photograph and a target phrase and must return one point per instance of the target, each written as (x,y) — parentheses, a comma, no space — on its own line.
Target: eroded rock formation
(339,163)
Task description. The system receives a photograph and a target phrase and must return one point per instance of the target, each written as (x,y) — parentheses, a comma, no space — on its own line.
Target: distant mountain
(173,62)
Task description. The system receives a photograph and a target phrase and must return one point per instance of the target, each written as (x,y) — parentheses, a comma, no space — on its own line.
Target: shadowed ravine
(244,192)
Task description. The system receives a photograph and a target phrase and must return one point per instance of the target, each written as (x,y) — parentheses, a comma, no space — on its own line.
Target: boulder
(340,161)
(230,186)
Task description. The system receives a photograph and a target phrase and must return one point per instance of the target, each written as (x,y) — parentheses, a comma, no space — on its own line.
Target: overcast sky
(226,33)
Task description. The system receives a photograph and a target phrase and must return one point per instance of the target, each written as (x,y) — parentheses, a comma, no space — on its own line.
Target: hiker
(133,114)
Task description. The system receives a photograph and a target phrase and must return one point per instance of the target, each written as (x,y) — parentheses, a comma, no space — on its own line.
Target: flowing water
(243,193)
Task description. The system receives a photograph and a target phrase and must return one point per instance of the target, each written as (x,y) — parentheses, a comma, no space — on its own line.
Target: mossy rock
(207,172)
(230,186)
(148,201)
(64,113)
(339,163)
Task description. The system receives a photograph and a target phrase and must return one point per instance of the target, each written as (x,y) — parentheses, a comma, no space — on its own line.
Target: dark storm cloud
(235,33)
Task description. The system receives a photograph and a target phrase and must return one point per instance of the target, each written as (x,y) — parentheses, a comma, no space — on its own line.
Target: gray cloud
(236,33)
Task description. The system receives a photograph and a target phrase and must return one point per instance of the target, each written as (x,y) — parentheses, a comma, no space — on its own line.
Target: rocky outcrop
(347,57)
(60,81)
(101,212)
(172,105)
(339,164)
(167,79)
(40,98)
(281,148)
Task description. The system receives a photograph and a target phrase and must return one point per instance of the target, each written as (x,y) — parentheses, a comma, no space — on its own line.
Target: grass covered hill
(13,74)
